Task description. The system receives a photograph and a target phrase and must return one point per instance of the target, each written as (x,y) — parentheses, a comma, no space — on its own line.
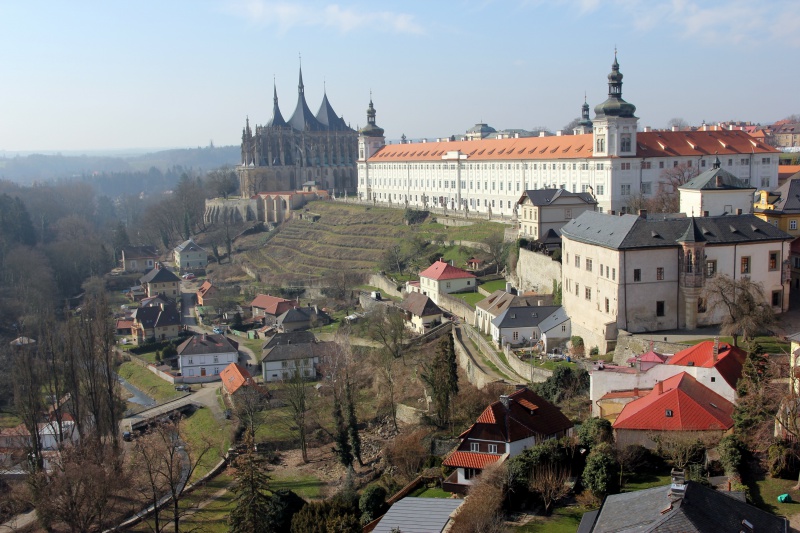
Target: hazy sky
(157,74)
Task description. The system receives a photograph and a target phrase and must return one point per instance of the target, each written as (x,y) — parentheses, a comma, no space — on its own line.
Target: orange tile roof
(273,305)
(729,363)
(471,459)
(693,406)
(235,377)
(633,393)
(649,144)
(442,270)
(787,171)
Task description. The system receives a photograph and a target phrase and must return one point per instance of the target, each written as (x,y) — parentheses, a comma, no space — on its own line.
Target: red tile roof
(273,305)
(235,377)
(528,414)
(694,407)
(633,393)
(649,144)
(787,171)
(124,323)
(204,288)
(471,459)
(442,270)
(730,359)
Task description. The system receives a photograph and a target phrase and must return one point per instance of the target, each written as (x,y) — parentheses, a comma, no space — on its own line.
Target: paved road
(188,290)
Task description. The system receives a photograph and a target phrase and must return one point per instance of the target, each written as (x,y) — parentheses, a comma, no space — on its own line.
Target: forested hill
(26,170)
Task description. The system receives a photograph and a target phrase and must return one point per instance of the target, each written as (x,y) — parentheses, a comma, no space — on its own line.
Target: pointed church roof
(615,106)
(692,234)
(277,117)
(328,117)
(303,119)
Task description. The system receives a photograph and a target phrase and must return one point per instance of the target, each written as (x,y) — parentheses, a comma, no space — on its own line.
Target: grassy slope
(201,429)
(147,382)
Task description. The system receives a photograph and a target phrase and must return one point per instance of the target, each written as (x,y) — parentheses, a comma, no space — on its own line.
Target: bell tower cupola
(615,123)
(370,137)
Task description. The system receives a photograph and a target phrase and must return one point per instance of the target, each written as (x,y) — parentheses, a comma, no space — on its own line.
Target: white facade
(696,202)
(536,220)
(206,365)
(283,370)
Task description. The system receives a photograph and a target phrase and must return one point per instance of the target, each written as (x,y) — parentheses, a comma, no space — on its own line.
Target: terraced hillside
(344,236)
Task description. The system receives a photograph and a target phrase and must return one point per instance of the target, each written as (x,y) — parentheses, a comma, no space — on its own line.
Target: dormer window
(474,447)
(668,413)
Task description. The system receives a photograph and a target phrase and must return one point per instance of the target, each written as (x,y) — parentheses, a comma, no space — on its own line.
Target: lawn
(201,429)
(552,365)
(563,520)
(430,492)
(771,345)
(307,486)
(645,481)
(764,494)
(471,298)
(9,420)
(496,285)
(147,382)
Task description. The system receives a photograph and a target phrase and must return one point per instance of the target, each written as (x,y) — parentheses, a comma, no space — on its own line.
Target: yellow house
(781,207)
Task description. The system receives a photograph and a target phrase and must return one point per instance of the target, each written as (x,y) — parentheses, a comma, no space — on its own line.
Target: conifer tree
(342,438)
(352,423)
(251,500)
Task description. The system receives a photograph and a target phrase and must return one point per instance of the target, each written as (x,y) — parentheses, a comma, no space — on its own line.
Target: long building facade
(282,155)
(608,157)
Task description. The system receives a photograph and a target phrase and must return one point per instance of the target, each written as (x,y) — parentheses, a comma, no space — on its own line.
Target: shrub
(731,453)
(595,431)
(636,459)
(372,503)
(782,460)
(601,474)
(594,351)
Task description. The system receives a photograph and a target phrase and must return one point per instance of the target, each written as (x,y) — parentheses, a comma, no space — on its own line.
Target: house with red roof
(716,365)
(206,294)
(504,429)
(442,277)
(235,377)
(268,308)
(679,403)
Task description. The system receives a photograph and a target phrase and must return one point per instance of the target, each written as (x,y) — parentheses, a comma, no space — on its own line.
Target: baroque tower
(614,122)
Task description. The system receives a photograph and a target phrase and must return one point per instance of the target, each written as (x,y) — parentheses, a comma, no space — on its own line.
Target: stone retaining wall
(631,345)
(536,272)
(526,370)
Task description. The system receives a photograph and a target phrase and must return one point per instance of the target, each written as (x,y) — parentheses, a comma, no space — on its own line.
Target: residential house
(687,507)
(206,355)
(716,365)
(269,308)
(155,323)
(641,274)
(504,429)
(124,326)
(499,301)
(442,277)
(290,352)
(421,313)
(236,378)
(207,294)
(781,208)
(190,257)
(138,258)
(787,172)
(15,444)
(154,301)
(787,135)
(423,515)
(161,280)
(679,403)
(543,210)
(716,192)
(525,325)
(298,318)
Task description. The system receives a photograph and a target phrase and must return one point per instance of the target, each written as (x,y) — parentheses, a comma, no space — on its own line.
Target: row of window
(476,447)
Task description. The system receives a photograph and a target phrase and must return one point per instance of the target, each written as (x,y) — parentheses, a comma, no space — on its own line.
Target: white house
(542,210)
(640,273)
(204,356)
(716,192)
(524,325)
(295,351)
(611,156)
(442,277)
(421,313)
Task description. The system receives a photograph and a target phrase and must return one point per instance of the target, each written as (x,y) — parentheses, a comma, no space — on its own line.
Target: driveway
(187,304)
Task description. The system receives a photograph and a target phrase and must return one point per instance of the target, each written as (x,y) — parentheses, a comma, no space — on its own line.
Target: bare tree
(297,396)
(683,447)
(250,403)
(745,311)
(388,328)
(496,247)
(550,482)
(482,511)
(222,181)
(677,122)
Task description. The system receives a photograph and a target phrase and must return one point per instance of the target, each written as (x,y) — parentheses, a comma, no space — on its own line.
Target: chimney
(739,211)
(622,214)
(675,128)
(508,287)
(715,350)
(643,213)
(636,391)
(504,400)
(660,387)
(719,181)
(540,303)
(559,133)
(647,129)
(705,213)
(542,134)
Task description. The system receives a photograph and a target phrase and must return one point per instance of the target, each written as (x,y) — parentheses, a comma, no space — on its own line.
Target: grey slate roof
(156,317)
(707,181)
(701,510)
(291,352)
(328,117)
(206,344)
(159,275)
(189,246)
(290,337)
(137,252)
(789,201)
(418,515)
(302,314)
(542,197)
(631,232)
(418,304)
(524,316)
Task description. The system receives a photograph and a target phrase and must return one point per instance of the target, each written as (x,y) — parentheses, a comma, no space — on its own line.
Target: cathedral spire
(277,117)
(300,86)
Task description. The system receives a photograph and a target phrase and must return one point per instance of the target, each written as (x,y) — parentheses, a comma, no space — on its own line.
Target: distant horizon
(85,76)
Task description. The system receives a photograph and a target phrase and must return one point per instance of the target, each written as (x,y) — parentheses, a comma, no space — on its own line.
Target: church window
(625,142)
(601,144)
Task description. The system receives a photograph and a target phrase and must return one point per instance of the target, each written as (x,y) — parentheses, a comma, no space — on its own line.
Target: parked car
(218,330)
(189,276)
(183,388)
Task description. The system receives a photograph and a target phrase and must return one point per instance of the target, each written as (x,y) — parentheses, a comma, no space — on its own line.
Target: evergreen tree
(251,497)
(601,474)
(352,423)
(121,238)
(341,438)
(441,376)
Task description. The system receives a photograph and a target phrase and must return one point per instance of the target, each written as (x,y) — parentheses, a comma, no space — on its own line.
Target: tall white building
(615,161)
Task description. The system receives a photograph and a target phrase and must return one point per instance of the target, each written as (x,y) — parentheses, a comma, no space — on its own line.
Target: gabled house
(189,256)
(161,280)
(269,308)
(138,258)
(425,515)
(504,429)
(421,313)
(716,192)
(544,211)
(15,444)
(206,355)
(298,318)
(155,323)
(679,403)
(527,325)
(500,300)
(716,365)
(442,277)
(207,294)
(299,351)
(685,507)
